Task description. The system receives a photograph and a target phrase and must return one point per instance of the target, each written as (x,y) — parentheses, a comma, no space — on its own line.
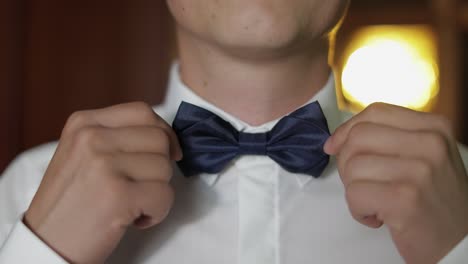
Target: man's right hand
(111,170)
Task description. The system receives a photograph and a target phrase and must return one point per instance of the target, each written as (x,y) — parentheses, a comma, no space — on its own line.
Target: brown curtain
(61,56)
(11,36)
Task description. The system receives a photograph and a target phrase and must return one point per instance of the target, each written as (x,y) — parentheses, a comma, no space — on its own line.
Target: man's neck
(254,90)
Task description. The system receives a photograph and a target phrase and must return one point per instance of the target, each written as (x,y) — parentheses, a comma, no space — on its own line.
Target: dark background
(58,56)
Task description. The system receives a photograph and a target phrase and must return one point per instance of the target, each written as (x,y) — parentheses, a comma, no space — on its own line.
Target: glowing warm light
(392,64)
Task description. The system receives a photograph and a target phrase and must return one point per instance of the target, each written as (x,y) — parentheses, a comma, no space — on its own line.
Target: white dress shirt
(254,212)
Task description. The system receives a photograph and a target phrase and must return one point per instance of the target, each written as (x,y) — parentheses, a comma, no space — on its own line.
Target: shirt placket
(258,211)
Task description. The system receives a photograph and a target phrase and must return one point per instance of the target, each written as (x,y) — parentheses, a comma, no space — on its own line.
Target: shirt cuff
(459,255)
(23,246)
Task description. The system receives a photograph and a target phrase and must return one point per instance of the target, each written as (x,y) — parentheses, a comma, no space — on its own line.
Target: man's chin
(266,47)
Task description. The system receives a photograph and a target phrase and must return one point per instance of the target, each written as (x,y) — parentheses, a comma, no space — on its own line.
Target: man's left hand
(402,168)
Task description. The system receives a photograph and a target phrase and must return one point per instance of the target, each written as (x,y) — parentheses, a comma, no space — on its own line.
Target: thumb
(330,147)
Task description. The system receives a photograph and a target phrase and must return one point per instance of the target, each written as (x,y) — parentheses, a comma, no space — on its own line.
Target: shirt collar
(178,92)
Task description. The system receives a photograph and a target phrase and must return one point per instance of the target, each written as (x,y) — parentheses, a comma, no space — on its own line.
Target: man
(250,63)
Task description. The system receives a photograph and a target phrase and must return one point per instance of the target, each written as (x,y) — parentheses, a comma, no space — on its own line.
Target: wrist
(33,229)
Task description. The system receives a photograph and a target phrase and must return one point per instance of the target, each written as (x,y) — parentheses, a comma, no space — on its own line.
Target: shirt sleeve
(23,246)
(18,185)
(459,255)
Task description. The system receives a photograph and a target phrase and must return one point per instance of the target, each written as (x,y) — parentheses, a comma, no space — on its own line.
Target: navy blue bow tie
(209,143)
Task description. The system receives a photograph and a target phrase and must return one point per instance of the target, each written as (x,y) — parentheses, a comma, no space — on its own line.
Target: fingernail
(180,156)
(176,155)
(328,145)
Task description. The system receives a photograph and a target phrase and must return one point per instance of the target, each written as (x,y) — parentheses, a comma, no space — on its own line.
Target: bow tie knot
(253,143)
(209,143)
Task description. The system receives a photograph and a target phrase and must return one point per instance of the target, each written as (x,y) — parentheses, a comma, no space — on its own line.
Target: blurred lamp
(391,64)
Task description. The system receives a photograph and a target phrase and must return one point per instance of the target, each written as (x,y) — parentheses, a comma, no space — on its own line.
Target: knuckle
(351,195)
(101,165)
(351,169)
(353,133)
(167,195)
(410,195)
(165,166)
(411,203)
(141,106)
(423,173)
(353,203)
(438,147)
(75,121)
(358,131)
(376,108)
(161,134)
(162,138)
(145,111)
(444,124)
(340,129)
(88,136)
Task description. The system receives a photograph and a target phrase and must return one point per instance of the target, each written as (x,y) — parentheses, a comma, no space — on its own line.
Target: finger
(138,114)
(369,201)
(140,139)
(123,115)
(152,201)
(383,169)
(144,166)
(175,149)
(394,116)
(370,138)
(141,115)
(126,139)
